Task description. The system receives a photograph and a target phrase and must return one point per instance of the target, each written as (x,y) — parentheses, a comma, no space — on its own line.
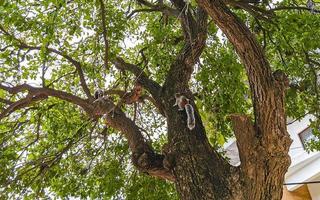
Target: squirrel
(98,94)
(184,103)
(126,97)
(134,95)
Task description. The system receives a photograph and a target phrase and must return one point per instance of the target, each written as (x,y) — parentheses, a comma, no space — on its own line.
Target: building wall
(297,151)
(304,165)
(302,193)
(314,190)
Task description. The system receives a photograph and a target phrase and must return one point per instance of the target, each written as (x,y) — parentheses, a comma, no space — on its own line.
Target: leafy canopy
(52,148)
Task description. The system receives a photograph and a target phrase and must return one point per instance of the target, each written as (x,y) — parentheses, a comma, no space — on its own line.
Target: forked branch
(143,157)
(77,64)
(153,87)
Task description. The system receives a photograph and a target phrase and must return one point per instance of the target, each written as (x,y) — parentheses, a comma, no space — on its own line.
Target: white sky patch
(132,41)
(221,36)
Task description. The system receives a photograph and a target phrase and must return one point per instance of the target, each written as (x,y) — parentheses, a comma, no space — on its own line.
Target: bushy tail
(191,122)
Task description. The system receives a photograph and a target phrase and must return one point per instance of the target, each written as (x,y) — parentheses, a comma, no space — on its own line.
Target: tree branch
(105,37)
(268,93)
(143,156)
(156,7)
(257,67)
(5,101)
(22,103)
(77,64)
(246,140)
(143,10)
(293,8)
(195,33)
(37,94)
(150,85)
(70,59)
(255,11)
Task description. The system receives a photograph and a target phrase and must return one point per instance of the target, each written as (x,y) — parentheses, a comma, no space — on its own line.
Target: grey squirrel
(184,103)
(98,94)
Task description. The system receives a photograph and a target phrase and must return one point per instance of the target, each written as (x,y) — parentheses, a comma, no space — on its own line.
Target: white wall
(304,166)
(314,190)
(304,171)
(296,151)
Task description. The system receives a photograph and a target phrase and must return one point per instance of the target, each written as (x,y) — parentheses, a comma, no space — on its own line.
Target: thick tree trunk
(200,173)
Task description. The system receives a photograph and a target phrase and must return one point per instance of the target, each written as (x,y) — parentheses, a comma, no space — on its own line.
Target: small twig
(142,10)
(293,8)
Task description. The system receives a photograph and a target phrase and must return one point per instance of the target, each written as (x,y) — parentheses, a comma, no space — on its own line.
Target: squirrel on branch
(133,96)
(184,104)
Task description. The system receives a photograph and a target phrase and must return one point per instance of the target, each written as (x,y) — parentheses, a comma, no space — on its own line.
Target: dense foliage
(52,148)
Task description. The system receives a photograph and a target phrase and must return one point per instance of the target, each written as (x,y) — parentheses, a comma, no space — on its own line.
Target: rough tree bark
(200,173)
(188,160)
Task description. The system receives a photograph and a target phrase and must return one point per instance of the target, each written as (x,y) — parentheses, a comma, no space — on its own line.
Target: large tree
(234,60)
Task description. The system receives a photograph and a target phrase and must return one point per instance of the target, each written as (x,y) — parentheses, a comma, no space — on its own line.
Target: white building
(305,167)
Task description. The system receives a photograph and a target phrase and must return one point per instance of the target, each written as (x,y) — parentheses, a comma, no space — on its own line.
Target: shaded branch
(142,10)
(195,33)
(293,8)
(21,104)
(188,21)
(143,156)
(155,7)
(105,37)
(36,94)
(255,11)
(141,77)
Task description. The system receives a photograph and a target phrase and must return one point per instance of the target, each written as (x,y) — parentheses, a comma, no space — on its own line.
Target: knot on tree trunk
(145,160)
(151,163)
(169,158)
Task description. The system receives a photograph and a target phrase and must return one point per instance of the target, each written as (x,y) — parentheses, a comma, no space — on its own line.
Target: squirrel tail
(191,122)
